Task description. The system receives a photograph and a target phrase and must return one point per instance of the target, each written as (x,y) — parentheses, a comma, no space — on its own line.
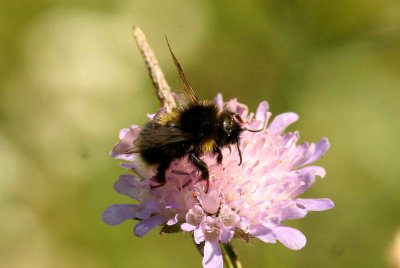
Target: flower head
(246,201)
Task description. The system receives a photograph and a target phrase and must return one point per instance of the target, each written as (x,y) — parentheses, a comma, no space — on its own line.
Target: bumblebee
(196,129)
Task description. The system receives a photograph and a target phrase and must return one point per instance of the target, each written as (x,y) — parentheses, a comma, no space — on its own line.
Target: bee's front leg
(201,165)
(217,151)
(160,176)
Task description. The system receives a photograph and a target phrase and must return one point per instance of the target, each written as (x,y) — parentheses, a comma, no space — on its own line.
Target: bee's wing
(189,92)
(159,137)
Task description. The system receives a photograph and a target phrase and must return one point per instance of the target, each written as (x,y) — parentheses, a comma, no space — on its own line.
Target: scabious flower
(247,201)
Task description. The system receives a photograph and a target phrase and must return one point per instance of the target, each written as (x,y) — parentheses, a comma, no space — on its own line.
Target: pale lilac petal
(292,212)
(320,148)
(212,255)
(282,121)
(262,111)
(305,182)
(129,185)
(127,138)
(239,108)
(117,214)
(144,214)
(242,110)
(128,165)
(152,204)
(119,152)
(231,105)
(263,233)
(145,226)
(219,101)
(316,204)
(173,220)
(290,237)
(210,203)
(160,112)
(139,166)
(301,154)
(187,227)
(316,170)
(227,234)
(211,227)
(198,235)
(228,217)
(129,133)
(195,215)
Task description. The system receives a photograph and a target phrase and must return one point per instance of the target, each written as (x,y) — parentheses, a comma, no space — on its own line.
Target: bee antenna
(257,130)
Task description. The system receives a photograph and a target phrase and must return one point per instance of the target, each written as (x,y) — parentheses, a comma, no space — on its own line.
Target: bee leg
(162,168)
(202,166)
(217,150)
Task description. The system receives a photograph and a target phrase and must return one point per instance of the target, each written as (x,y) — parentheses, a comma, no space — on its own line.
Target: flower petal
(290,237)
(138,165)
(263,233)
(173,220)
(237,107)
(123,132)
(198,235)
(116,214)
(262,111)
(318,171)
(129,185)
(211,202)
(187,227)
(320,148)
(282,121)
(219,101)
(212,255)
(127,137)
(316,204)
(242,110)
(226,234)
(305,181)
(292,212)
(154,116)
(145,226)
(144,214)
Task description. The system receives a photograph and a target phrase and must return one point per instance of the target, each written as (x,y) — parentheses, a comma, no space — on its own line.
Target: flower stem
(230,258)
(157,76)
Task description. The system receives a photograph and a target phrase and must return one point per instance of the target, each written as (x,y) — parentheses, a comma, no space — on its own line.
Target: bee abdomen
(158,155)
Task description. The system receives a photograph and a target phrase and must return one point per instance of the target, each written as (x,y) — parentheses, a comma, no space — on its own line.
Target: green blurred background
(71,77)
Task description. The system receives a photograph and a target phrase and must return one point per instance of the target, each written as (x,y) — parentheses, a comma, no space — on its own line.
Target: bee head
(229,128)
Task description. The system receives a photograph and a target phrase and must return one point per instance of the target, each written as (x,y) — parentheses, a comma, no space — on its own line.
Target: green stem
(230,258)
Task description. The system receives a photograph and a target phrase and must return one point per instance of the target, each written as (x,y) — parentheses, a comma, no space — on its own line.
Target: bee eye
(231,124)
(228,123)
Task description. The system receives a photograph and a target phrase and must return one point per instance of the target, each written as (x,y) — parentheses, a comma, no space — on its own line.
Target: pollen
(208,146)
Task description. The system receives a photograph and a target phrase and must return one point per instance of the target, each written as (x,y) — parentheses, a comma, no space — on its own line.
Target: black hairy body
(193,131)
(170,137)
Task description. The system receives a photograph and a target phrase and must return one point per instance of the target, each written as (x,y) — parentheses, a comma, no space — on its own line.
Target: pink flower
(246,201)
